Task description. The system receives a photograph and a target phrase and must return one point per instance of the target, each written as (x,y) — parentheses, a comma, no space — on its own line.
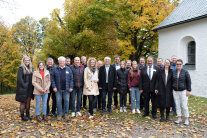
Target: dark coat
(78,75)
(112,78)
(184,81)
(122,78)
(55,78)
(24,88)
(145,83)
(165,94)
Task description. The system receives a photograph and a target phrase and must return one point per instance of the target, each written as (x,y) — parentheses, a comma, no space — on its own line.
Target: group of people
(165,85)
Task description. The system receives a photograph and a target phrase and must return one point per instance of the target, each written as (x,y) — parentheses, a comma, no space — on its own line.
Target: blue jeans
(77,91)
(44,104)
(135,94)
(65,95)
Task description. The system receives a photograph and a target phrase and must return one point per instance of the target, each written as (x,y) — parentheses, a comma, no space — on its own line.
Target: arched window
(191,53)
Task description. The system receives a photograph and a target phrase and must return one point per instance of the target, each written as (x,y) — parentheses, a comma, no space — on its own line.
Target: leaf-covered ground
(115,125)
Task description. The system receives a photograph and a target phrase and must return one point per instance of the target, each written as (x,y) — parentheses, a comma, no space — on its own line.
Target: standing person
(24,88)
(78,76)
(107,83)
(140,66)
(98,97)
(41,82)
(50,68)
(165,94)
(133,84)
(159,63)
(116,66)
(149,86)
(122,85)
(62,83)
(181,91)
(128,67)
(91,83)
(173,67)
(84,63)
(67,61)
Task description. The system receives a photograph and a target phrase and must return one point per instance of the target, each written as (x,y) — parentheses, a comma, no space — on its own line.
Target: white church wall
(174,40)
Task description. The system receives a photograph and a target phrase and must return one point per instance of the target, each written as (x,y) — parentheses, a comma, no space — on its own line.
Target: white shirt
(151,71)
(107,73)
(117,66)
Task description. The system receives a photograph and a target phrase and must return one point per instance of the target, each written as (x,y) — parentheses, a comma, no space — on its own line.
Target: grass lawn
(115,125)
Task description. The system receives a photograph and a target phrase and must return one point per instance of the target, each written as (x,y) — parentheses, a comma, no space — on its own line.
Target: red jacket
(134,81)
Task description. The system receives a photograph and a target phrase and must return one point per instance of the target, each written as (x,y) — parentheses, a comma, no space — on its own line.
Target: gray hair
(61,58)
(150,57)
(107,58)
(50,59)
(83,57)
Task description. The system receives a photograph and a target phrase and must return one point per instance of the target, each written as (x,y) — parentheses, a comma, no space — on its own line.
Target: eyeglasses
(178,64)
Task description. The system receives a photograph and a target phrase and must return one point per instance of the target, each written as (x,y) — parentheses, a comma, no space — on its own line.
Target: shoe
(94,110)
(79,114)
(144,115)
(59,118)
(103,112)
(115,106)
(24,118)
(110,111)
(138,111)
(73,114)
(178,121)
(44,118)
(38,118)
(154,116)
(121,109)
(186,122)
(54,114)
(29,117)
(125,109)
(167,118)
(162,119)
(133,111)
(90,117)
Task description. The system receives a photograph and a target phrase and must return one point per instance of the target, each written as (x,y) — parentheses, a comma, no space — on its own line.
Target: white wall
(173,41)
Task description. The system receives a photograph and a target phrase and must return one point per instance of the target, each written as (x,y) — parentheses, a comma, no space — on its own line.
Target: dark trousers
(162,109)
(174,106)
(92,101)
(110,94)
(98,102)
(153,97)
(84,101)
(129,96)
(123,99)
(141,101)
(116,98)
(52,93)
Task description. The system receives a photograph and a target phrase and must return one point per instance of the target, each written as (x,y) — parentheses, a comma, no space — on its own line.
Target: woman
(91,83)
(24,88)
(41,83)
(165,94)
(181,91)
(133,84)
(122,78)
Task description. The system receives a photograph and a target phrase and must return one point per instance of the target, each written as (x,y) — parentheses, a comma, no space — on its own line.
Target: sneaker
(186,122)
(178,121)
(121,109)
(79,114)
(125,109)
(133,111)
(138,111)
(90,117)
(73,114)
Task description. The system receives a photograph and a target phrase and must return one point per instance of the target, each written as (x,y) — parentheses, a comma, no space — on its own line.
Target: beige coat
(39,84)
(88,83)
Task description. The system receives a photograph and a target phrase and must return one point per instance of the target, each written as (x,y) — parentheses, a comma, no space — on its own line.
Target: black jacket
(145,83)
(112,78)
(122,80)
(183,82)
(78,76)
(24,88)
(165,94)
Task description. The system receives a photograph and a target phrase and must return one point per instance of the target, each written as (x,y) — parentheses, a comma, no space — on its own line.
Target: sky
(11,11)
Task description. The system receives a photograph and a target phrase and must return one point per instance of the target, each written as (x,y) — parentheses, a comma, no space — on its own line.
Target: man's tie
(150,72)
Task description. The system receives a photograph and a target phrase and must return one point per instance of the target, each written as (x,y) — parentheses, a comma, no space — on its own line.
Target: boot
(38,118)
(44,118)
(28,116)
(167,117)
(24,118)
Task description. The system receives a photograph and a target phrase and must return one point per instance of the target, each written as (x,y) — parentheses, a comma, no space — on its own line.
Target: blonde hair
(29,69)
(89,62)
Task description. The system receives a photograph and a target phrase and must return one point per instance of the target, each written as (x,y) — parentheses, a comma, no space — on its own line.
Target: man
(148,86)
(50,68)
(84,63)
(173,67)
(68,61)
(98,98)
(78,75)
(128,64)
(62,84)
(107,83)
(117,66)
(159,63)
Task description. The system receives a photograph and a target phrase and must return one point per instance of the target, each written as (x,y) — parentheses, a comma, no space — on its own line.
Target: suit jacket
(112,78)
(145,83)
